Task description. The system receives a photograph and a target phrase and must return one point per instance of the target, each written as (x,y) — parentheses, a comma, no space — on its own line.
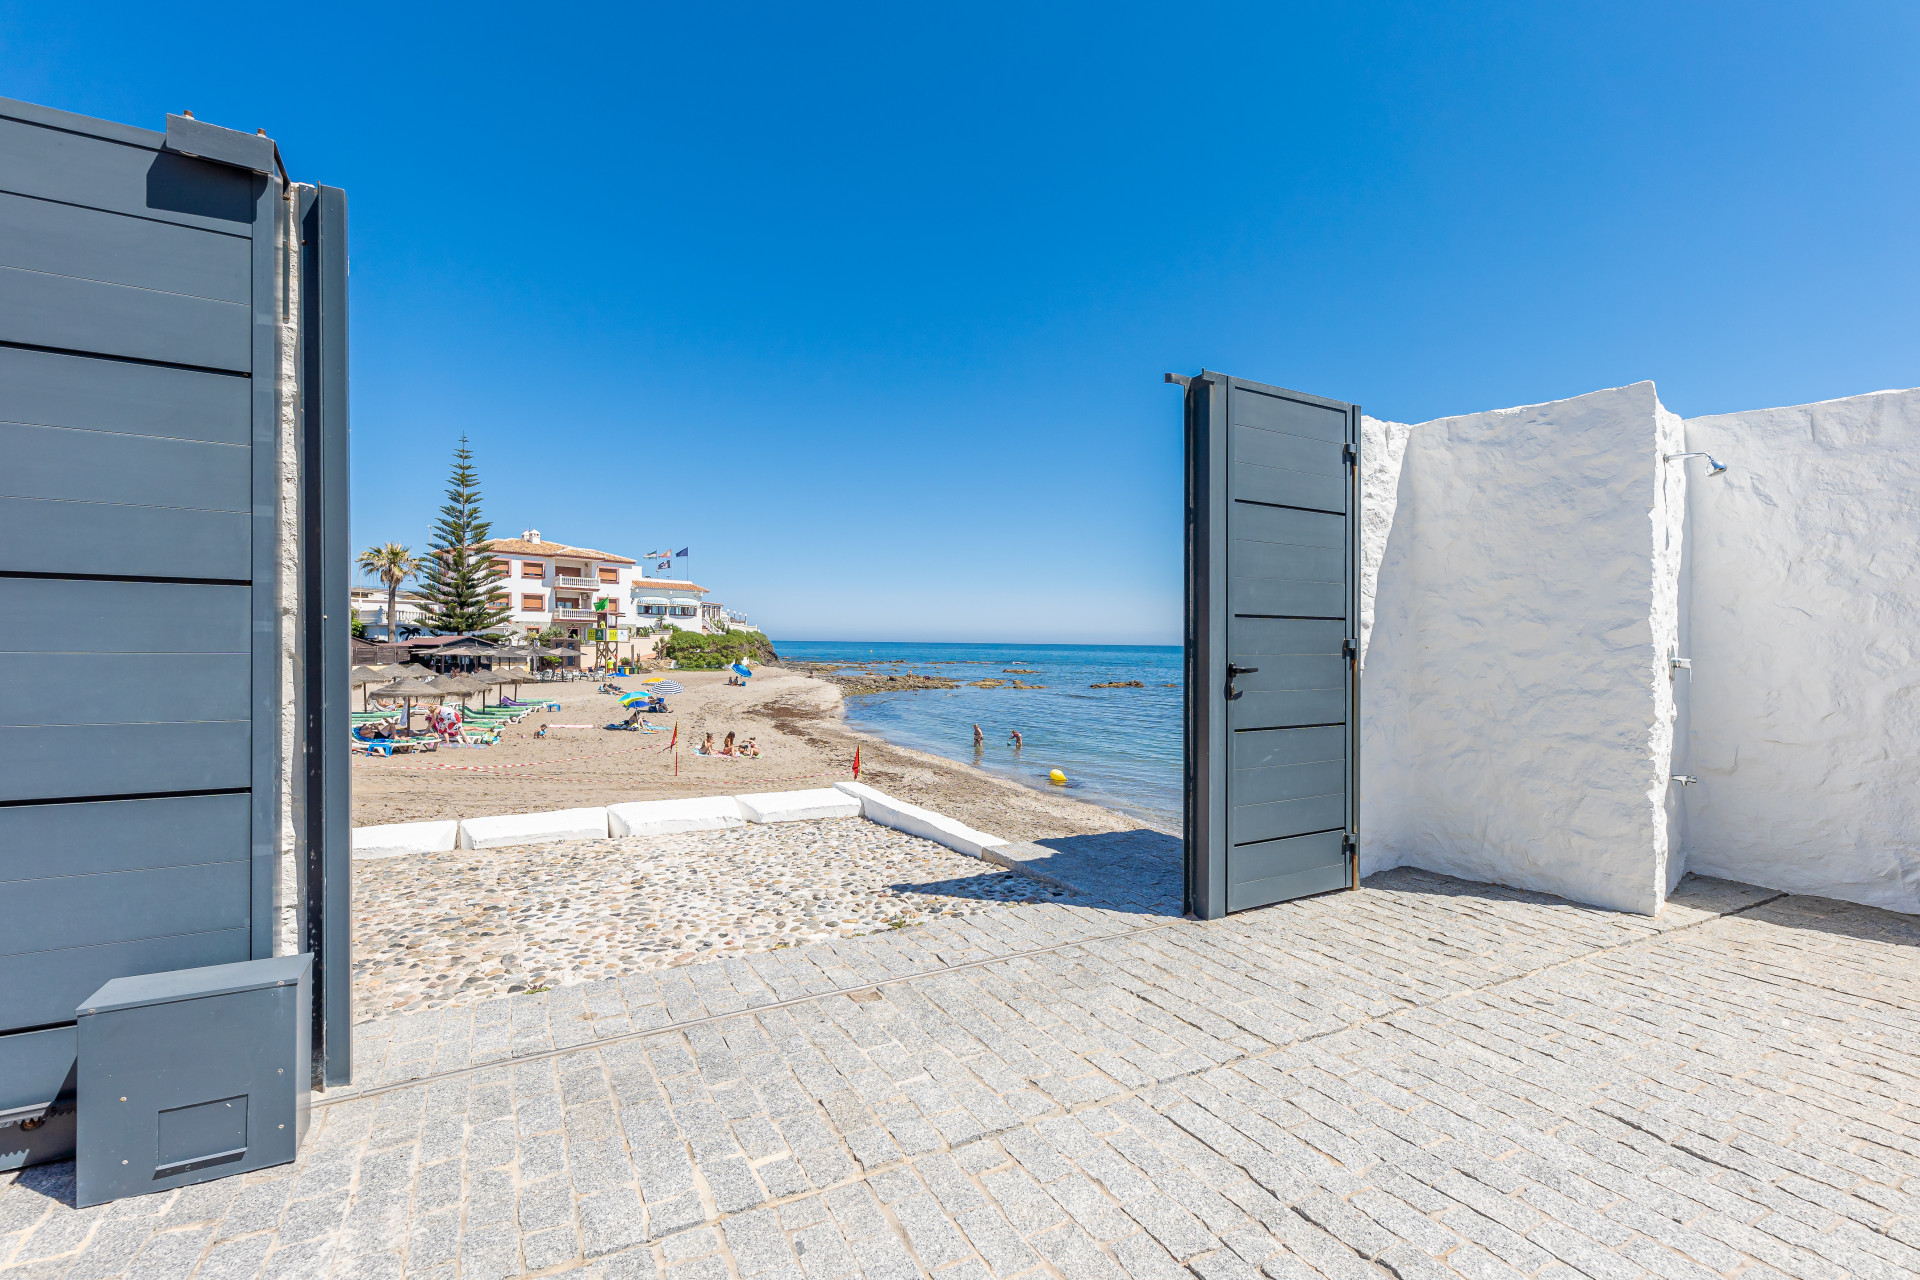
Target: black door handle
(1232,673)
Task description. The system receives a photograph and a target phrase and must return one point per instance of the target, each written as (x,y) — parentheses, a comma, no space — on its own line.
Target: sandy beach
(804,741)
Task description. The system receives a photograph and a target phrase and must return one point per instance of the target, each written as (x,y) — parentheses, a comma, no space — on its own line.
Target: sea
(1119,748)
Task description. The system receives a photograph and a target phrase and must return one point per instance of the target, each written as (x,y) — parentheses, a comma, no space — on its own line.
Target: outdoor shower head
(1714,466)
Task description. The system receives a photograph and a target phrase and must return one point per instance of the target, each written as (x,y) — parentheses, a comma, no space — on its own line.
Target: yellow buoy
(1057,777)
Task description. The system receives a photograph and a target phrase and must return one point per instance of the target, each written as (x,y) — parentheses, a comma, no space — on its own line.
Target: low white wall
(1516,708)
(671,817)
(399,839)
(878,806)
(531,828)
(1805,640)
(798,806)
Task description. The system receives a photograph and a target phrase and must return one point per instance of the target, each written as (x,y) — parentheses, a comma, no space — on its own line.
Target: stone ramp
(1425,1078)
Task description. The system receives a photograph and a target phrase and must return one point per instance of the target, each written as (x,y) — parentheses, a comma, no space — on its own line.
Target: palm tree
(393,564)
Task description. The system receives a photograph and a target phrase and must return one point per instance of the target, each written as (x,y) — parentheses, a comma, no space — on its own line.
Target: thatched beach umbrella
(408,688)
(466,647)
(361,677)
(463,687)
(501,679)
(470,647)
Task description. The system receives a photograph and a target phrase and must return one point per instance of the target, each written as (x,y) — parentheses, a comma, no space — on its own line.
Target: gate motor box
(192,1075)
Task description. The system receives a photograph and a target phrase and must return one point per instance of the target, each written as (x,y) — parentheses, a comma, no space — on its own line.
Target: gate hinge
(1349,843)
(1349,648)
(1350,455)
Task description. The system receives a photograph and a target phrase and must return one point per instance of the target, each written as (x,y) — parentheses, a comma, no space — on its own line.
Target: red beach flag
(856,762)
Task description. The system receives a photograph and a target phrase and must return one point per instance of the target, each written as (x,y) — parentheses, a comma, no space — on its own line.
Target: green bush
(692,651)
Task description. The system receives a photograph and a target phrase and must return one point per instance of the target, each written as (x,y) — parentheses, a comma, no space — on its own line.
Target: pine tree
(460,583)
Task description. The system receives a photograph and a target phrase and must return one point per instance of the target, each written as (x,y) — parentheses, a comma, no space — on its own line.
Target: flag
(682,551)
(856,763)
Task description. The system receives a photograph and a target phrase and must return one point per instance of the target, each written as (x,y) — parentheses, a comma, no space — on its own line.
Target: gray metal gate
(142,305)
(1272,691)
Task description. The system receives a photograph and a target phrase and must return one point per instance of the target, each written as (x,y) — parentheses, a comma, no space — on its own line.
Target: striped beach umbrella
(664,687)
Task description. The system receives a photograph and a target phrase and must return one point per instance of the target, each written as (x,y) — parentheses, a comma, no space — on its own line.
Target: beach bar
(174,830)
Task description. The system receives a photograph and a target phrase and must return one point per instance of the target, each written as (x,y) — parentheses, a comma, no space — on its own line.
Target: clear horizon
(979,644)
(871,313)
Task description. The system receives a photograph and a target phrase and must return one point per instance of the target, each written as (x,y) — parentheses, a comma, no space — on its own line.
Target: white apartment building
(559,585)
(369,604)
(670,600)
(715,616)
(551,584)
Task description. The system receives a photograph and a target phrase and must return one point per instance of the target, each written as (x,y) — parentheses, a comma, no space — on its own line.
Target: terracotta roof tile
(550,550)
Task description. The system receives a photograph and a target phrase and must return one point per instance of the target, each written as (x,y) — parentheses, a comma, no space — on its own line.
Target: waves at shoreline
(1119,747)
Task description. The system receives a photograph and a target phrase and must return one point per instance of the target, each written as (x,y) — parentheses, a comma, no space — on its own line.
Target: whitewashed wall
(1805,639)
(1387,645)
(1528,574)
(1517,714)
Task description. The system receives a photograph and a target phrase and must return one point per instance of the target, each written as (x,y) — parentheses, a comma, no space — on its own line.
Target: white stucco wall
(1386,642)
(287,887)
(1517,715)
(1805,639)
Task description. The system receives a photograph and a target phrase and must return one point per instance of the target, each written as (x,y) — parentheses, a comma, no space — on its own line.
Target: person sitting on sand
(726,748)
(706,748)
(541,732)
(751,749)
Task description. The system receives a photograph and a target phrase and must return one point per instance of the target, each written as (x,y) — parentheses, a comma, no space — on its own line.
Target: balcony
(588,584)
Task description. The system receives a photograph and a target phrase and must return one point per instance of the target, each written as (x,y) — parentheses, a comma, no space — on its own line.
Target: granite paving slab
(1424,1078)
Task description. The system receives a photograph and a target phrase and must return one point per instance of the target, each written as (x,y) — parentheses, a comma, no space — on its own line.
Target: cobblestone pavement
(1426,1078)
(458,928)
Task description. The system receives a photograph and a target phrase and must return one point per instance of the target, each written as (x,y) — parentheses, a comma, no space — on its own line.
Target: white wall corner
(1387,642)
(1667,517)
(1520,544)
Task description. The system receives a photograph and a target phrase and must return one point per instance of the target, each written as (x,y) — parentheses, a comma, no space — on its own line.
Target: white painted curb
(670,817)
(799,806)
(528,828)
(877,806)
(397,839)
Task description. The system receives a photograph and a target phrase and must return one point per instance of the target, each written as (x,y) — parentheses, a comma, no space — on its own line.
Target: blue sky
(869,304)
